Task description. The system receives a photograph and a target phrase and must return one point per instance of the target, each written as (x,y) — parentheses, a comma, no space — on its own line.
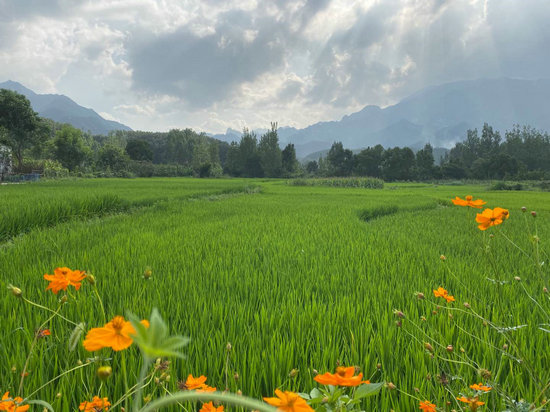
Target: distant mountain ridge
(440,115)
(62,109)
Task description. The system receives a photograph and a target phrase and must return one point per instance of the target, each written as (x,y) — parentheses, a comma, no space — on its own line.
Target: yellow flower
(116,334)
(288,402)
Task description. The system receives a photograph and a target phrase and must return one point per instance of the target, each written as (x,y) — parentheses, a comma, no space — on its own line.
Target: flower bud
(524,209)
(428,347)
(239,393)
(147,399)
(467,305)
(485,374)
(545,290)
(79,362)
(443,258)
(236,376)
(315,372)
(228,347)
(90,279)
(419,295)
(378,366)
(391,386)
(63,299)
(505,346)
(398,313)
(58,395)
(398,323)
(462,350)
(449,348)
(15,291)
(534,214)
(517,278)
(293,373)
(147,273)
(103,372)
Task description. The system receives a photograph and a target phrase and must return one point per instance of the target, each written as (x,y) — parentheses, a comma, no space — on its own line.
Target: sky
(212,65)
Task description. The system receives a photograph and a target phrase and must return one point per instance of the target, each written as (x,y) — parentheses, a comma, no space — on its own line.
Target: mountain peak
(63,109)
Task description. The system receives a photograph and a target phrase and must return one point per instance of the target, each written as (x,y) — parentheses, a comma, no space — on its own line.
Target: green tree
(425,162)
(69,147)
(270,153)
(139,149)
(249,160)
(340,160)
(368,162)
(20,122)
(290,163)
(112,157)
(398,164)
(312,167)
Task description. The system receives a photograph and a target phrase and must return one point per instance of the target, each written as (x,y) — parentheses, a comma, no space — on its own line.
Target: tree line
(60,149)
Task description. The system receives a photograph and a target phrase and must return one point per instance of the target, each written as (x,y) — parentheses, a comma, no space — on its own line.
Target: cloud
(158,64)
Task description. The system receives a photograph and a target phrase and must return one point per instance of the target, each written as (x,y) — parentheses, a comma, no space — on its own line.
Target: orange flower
(480,387)
(63,277)
(12,404)
(209,407)
(206,388)
(426,406)
(469,201)
(97,404)
(442,293)
(473,402)
(116,334)
(197,384)
(342,377)
(491,217)
(43,333)
(288,402)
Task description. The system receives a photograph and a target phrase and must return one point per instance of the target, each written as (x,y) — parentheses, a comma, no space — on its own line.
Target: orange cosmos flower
(480,387)
(197,384)
(288,402)
(97,404)
(473,402)
(209,407)
(42,333)
(442,293)
(426,406)
(63,277)
(469,201)
(342,377)
(12,404)
(491,217)
(116,334)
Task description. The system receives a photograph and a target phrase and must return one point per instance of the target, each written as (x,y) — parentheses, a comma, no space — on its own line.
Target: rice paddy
(295,278)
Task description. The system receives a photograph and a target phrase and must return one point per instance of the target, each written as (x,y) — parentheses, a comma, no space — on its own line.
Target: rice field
(298,279)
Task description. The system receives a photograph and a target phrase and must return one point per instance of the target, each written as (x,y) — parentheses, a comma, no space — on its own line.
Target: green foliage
(70,148)
(360,182)
(22,126)
(138,149)
(113,158)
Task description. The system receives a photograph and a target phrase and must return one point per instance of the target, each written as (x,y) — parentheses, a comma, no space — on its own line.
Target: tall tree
(340,160)
(249,160)
(20,122)
(139,149)
(69,147)
(290,163)
(425,162)
(368,162)
(270,153)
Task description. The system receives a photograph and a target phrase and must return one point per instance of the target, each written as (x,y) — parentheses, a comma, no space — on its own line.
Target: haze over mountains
(438,114)
(64,110)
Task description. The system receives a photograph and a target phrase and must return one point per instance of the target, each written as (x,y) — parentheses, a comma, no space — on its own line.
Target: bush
(360,182)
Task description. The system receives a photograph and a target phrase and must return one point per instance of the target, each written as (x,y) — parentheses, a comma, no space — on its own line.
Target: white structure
(5,161)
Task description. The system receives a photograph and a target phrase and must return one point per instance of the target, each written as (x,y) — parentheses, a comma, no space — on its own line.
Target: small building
(6,163)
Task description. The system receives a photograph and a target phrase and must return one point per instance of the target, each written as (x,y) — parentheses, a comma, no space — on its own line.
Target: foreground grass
(293,277)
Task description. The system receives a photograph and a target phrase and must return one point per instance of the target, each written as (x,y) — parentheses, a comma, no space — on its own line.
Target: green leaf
(367,389)
(75,336)
(41,403)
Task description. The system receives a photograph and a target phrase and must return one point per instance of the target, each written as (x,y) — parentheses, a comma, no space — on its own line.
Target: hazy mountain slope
(64,110)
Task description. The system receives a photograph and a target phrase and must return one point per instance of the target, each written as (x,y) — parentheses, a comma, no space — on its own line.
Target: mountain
(64,110)
(440,115)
